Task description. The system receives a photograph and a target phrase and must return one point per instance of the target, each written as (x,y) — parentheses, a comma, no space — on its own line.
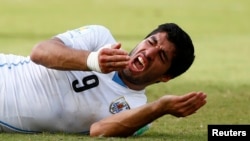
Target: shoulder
(88,30)
(97,32)
(95,28)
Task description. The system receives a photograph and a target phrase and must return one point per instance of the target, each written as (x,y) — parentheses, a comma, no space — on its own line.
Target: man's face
(149,61)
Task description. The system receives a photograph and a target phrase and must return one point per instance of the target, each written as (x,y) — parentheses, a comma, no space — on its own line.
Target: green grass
(220,32)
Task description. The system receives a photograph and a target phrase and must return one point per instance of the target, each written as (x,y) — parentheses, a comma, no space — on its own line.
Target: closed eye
(163,56)
(150,42)
(162,53)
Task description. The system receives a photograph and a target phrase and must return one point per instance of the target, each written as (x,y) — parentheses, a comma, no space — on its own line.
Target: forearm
(127,122)
(54,54)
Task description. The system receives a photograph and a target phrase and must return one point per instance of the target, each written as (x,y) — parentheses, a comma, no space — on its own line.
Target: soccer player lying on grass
(81,81)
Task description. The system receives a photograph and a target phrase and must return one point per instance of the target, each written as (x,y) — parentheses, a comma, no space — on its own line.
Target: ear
(165,78)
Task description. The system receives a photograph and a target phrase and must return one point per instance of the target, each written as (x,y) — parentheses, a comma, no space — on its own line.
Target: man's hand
(185,105)
(112,58)
(125,123)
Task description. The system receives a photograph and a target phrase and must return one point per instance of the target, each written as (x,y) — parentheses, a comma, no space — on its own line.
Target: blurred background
(220,31)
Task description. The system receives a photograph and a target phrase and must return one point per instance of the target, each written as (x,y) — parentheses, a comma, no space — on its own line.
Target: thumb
(116,46)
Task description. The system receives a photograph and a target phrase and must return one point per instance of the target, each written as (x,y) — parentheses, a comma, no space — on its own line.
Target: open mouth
(138,64)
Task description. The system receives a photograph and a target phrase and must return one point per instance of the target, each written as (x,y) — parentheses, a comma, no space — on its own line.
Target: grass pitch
(219,29)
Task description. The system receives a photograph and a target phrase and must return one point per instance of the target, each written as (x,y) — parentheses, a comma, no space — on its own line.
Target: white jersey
(34,98)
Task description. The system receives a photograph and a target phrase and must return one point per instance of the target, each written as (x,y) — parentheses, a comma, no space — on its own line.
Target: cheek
(137,48)
(133,51)
(159,68)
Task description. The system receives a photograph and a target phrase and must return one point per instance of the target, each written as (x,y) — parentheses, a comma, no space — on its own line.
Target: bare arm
(126,123)
(54,54)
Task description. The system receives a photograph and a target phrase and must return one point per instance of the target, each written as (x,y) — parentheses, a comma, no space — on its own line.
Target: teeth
(134,66)
(141,60)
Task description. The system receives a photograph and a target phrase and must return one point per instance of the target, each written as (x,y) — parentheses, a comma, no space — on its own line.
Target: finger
(195,99)
(191,95)
(193,109)
(117,58)
(113,55)
(188,100)
(112,52)
(116,46)
(188,96)
(113,66)
(116,64)
(195,103)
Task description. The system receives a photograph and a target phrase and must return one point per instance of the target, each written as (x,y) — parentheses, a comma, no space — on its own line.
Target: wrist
(161,106)
(92,62)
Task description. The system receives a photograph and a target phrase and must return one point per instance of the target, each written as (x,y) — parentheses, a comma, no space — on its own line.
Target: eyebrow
(156,42)
(154,39)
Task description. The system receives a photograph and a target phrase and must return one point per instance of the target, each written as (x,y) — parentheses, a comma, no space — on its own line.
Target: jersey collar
(118,80)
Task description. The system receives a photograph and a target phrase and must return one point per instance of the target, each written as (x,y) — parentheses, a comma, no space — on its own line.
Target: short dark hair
(184,49)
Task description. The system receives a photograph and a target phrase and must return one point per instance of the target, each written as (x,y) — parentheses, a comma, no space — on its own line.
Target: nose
(152,52)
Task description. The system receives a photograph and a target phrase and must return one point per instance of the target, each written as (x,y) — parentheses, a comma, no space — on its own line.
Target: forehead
(161,37)
(161,40)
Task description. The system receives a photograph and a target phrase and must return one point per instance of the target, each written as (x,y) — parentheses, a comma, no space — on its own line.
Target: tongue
(138,65)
